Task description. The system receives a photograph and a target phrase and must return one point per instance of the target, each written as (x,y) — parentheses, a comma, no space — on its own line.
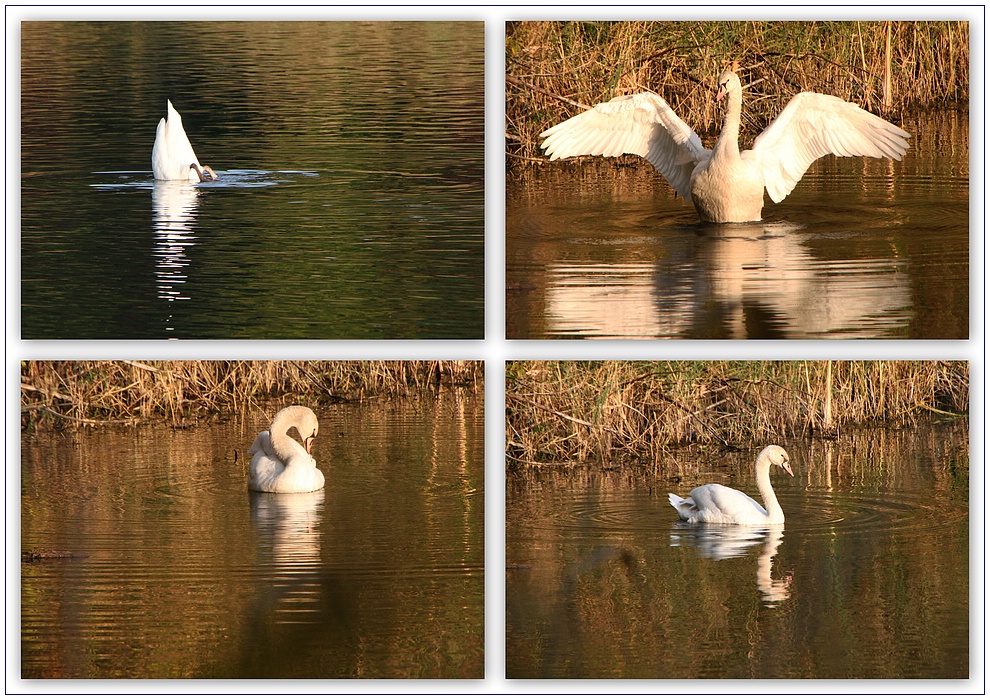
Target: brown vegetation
(70,394)
(635,411)
(556,69)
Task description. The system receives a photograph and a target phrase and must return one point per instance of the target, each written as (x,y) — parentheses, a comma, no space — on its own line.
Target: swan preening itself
(724,184)
(279,463)
(173,157)
(720,505)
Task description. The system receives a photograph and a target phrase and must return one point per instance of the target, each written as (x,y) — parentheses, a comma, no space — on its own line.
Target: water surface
(861,248)
(178,571)
(868,577)
(351,195)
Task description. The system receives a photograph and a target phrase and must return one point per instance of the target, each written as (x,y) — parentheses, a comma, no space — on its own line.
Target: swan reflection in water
(288,530)
(719,542)
(173,206)
(299,606)
(761,279)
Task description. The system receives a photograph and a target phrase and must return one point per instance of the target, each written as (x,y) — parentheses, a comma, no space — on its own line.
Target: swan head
(308,438)
(777,456)
(308,427)
(727,82)
(205,172)
(302,419)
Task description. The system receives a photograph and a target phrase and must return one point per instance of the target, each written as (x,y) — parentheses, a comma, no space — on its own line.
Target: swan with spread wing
(724,184)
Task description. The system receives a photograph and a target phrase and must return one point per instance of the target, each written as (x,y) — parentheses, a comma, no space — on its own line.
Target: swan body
(720,505)
(279,464)
(173,157)
(724,184)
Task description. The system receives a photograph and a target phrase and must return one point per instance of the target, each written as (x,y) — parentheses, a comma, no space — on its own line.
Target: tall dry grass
(637,411)
(556,69)
(71,394)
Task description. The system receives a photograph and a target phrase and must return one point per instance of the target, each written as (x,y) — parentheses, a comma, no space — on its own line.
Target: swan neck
(283,445)
(766,489)
(728,140)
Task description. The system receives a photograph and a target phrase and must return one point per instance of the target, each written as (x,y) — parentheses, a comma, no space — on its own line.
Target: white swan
(724,184)
(279,463)
(714,503)
(173,157)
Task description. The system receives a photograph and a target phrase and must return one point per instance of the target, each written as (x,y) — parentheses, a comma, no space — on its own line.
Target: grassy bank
(72,394)
(636,411)
(555,69)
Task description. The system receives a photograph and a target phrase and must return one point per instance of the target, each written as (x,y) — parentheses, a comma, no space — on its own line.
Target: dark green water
(351,198)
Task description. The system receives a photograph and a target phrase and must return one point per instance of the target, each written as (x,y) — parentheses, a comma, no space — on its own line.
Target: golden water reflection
(604,581)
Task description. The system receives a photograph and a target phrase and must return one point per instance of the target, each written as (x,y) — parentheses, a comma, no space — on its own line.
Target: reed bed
(556,69)
(71,394)
(636,412)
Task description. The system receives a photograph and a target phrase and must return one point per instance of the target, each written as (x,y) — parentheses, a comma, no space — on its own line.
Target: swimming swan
(724,184)
(173,157)
(279,463)
(714,503)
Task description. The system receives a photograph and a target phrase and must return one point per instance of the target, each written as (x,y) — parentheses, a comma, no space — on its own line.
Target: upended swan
(279,463)
(718,504)
(173,157)
(724,184)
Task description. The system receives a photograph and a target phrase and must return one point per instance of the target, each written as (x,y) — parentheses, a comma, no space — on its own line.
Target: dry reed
(609,411)
(71,394)
(555,69)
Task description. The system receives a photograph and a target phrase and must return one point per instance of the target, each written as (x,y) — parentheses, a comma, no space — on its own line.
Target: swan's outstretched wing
(814,125)
(641,124)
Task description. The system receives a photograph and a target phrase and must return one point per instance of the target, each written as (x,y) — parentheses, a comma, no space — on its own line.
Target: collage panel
(252,519)
(737,519)
(256,180)
(739,180)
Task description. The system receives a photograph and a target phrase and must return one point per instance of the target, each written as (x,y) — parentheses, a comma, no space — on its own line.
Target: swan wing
(265,471)
(814,125)
(265,466)
(642,124)
(720,504)
(298,475)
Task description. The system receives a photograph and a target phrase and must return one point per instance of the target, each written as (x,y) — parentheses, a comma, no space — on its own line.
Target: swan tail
(685,507)
(262,444)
